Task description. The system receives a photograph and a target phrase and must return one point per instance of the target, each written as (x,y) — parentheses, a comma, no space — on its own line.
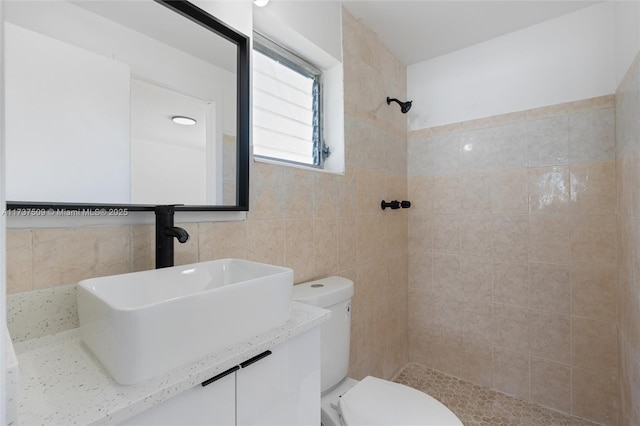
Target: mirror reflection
(93,89)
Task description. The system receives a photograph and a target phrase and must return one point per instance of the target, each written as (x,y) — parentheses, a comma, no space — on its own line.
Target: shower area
(512,255)
(522,250)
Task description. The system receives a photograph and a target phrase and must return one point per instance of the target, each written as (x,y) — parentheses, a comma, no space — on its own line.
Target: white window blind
(286,107)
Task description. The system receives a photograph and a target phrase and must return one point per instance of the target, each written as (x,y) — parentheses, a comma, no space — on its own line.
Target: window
(287,106)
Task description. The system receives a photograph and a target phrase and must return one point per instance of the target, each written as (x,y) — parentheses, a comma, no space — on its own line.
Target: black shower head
(404,106)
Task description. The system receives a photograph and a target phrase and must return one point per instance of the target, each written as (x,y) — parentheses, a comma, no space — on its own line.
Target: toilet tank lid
(324,292)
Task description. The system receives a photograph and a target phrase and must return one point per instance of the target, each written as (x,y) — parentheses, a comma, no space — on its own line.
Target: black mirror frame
(203,18)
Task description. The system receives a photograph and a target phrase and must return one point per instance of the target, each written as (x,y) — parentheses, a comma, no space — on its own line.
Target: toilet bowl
(371,401)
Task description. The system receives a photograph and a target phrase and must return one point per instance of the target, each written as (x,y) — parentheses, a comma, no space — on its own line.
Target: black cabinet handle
(220,376)
(255,359)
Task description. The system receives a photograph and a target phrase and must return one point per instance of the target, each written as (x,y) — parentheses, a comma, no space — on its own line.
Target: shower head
(404,106)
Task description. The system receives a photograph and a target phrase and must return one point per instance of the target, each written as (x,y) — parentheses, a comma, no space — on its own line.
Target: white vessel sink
(143,324)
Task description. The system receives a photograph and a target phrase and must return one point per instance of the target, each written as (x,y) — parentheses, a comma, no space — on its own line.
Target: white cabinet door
(282,388)
(213,404)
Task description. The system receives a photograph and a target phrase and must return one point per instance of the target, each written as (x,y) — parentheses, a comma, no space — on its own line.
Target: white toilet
(371,401)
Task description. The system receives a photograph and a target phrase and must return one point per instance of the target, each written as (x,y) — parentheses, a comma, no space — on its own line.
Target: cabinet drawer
(201,405)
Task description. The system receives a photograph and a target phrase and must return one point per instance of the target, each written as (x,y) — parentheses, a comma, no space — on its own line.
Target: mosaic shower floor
(477,405)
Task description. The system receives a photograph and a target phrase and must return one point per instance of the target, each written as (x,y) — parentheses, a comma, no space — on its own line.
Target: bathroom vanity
(62,383)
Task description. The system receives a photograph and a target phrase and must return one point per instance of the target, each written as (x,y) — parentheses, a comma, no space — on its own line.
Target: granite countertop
(62,383)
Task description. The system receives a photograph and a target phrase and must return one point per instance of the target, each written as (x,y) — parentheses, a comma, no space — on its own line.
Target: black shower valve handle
(395,204)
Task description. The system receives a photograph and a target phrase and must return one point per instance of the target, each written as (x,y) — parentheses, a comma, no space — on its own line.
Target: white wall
(65,103)
(157,178)
(235,13)
(627,35)
(310,28)
(561,60)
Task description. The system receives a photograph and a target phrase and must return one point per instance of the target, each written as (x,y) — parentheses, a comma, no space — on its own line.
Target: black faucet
(165,233)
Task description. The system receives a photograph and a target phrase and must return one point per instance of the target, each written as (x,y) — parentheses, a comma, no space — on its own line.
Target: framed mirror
(125,104)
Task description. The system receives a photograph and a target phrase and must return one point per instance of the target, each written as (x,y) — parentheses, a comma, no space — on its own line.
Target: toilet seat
(375,401)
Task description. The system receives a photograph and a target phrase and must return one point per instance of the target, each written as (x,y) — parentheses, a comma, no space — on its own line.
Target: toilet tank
(334,294)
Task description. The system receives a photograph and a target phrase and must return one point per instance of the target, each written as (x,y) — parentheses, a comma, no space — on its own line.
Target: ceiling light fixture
(260,3)
(185,121)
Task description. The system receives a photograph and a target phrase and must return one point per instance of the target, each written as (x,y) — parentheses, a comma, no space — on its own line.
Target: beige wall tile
(476,235)
(476,364)
(347,241)
(593,188)
(371,238)
(628,281)
(68,255)
(593,239)
(476,193)
(298,193)
(446,194)
(548,141)
(477,324)
(19,260)
(397,233)
(325,245)
(549,239)
(420,269)
(511,327)
(143,247)
(593,292)
(446,233)
(446,318)
(550,336)
(397,186)
(299,248)
(421,194)
(446,273)
(371,189)
(266,197)
(510,237)
(266,241)
(444,353)
(207,241)
(476,278)
(395,151)
(434,155)
(325,194)
(420,233)
(549,190)
(511,283)
(592,136)
(475,150)
(594,345)
(508,146)
(363,148)
(346,193)
(421,309)
(509,192)
(511,372)
(594,395)
(220,240)
(551,384)
(550,287)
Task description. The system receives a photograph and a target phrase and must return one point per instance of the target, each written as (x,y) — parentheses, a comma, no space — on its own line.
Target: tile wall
(628,178)
(512,267)
(316,223)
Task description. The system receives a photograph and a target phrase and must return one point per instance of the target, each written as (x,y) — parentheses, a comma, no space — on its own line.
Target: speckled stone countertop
(61,383)
(11,381)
